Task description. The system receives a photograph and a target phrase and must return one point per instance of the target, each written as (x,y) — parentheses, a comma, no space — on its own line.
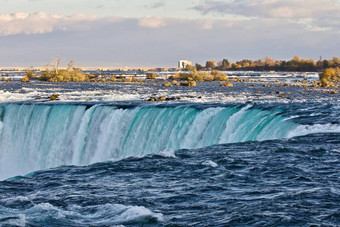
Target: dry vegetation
(199,76)
(329,77)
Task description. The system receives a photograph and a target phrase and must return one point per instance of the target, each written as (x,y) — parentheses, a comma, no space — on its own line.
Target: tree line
(270,64)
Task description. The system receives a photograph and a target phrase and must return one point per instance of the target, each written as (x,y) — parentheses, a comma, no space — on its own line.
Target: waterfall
(34,137)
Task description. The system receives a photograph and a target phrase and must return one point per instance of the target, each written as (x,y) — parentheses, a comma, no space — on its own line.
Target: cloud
(40,23)
(313,14)
(272,8)
(159,41)
(157,5)
(152,22)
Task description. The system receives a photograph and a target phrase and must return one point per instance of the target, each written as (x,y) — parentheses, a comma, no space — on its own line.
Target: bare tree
(55,63)
(70,65)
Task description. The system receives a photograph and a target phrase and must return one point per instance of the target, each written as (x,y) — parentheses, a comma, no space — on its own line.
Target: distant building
(182,64)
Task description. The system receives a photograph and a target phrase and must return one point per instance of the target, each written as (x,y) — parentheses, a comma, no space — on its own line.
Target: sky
(158,33)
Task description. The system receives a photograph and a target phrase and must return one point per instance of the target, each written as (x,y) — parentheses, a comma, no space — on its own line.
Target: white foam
(167,153)
(210,163)
(106,214)
(317,128)
(48,208)
(271,75)
(6,96)
(137,212)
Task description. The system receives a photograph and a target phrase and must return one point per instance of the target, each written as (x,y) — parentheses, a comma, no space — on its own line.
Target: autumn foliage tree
(225,64)
(211,64)
(268,63)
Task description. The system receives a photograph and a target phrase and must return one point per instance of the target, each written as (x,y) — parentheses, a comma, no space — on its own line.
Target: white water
(34,137)
(105,215)
(316,128)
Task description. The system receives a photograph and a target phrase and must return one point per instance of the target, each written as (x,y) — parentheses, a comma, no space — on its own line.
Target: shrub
(127,79)
(329,75)
(113,79)
(54,97)
(175,83)
(101,80)
(63,75)
(192,84)
(151,76)
(180,76)
(29,74)
(168,84)
(188,83)
(25,79)
(324,82)
(219,76)
(200,76)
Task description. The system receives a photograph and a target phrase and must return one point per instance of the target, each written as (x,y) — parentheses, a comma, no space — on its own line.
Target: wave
(102,215)
(34,137)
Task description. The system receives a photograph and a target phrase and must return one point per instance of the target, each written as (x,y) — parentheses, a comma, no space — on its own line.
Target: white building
(182,64)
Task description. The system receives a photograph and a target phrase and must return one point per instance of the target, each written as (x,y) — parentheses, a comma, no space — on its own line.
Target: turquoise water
(41,136)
